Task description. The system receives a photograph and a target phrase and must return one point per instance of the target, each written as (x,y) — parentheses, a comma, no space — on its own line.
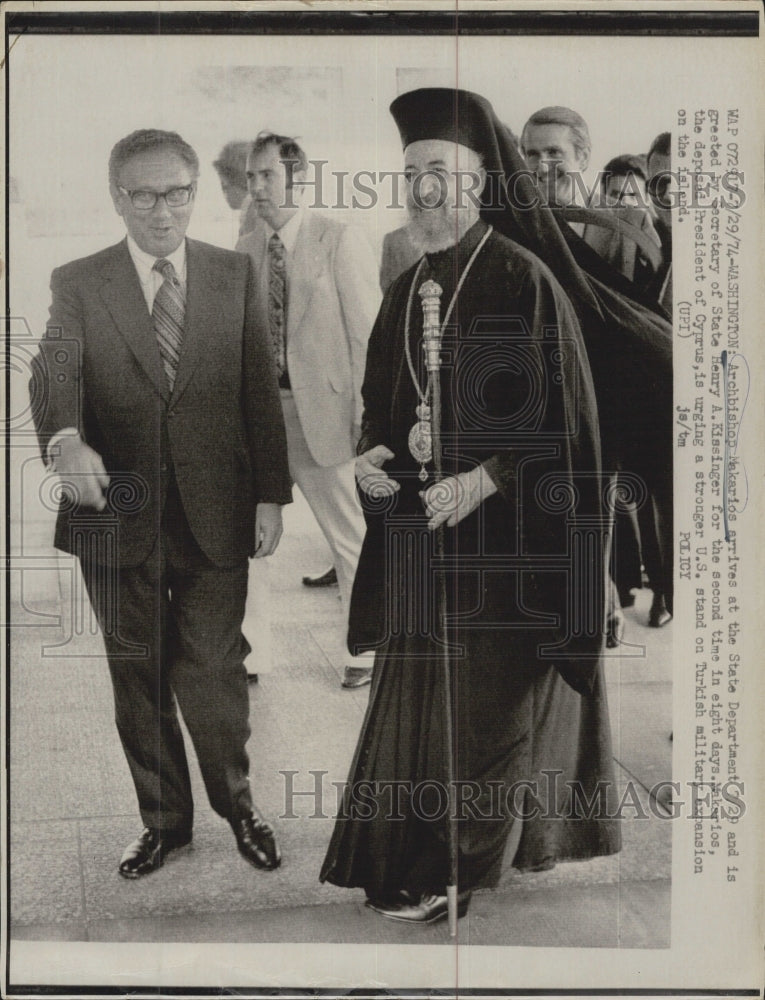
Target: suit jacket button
(163,467)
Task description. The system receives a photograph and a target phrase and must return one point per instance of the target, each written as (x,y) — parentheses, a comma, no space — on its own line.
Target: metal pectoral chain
(421,435)
(420,438)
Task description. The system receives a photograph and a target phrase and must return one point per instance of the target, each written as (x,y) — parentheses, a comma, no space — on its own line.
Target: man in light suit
(398,255)
(319,299)
(156,400)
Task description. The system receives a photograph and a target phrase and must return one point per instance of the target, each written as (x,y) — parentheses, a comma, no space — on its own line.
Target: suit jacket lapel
(255,246)
(123,297)
(307,263)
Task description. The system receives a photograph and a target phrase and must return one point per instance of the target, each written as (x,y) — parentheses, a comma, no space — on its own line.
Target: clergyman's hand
(268,528)
(371,477)
(81,471)
(454,498)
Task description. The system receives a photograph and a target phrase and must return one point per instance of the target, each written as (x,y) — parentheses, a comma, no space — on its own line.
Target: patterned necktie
(167,316)
(277,299)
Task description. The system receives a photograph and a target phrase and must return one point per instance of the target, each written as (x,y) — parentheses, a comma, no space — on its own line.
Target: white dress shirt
(151,280)
(288,234)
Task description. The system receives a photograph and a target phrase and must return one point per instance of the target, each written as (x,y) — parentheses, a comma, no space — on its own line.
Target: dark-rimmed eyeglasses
(174,198)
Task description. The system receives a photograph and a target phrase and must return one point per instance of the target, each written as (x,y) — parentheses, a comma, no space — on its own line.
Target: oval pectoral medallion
(421,442)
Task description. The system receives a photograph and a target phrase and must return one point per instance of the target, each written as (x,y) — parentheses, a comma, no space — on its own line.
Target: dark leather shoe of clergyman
(356,677)
(658,615)
(428,910)
(328,579)
(149,851)
(256,842)
(616,623)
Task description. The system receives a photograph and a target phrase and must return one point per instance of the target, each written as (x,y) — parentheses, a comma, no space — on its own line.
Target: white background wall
(73,97)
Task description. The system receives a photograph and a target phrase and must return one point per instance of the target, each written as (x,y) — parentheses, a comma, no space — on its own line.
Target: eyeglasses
(145,200)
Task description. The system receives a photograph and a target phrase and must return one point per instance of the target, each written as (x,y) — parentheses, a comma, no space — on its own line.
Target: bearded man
(519,502)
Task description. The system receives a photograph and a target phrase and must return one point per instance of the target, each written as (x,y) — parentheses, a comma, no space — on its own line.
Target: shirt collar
(144,262)
(288,234)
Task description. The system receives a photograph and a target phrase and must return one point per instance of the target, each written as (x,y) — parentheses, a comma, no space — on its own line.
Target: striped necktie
(277,299)
(167,316)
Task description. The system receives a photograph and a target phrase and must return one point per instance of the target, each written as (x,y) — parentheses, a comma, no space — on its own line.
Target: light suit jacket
(398,255)
(332,303)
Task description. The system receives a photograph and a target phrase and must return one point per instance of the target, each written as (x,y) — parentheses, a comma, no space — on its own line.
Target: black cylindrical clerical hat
(444,113)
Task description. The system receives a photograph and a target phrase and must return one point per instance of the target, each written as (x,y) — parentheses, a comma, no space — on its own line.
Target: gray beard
(425,242)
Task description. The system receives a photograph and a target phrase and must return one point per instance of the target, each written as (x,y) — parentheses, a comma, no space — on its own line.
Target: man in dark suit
(156,401)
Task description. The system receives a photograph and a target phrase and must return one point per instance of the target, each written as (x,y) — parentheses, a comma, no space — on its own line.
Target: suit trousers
(172,631)
(331,494)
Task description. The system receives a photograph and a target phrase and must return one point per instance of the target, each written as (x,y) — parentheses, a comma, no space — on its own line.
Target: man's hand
(370,475)
(454,498)
(82,471)
(268,528)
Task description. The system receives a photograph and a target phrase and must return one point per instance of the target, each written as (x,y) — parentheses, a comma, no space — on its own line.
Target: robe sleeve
(568,411)
(377,388)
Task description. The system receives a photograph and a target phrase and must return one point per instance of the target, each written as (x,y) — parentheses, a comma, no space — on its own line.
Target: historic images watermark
(547,798)
(681,190)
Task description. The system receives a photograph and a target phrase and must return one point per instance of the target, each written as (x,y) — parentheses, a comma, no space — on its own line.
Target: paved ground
(73,806)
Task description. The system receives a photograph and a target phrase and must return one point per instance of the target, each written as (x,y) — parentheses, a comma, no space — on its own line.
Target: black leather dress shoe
(328,579)
(149,851)
(256,842)
(658,615)
(356,677)
(428,909)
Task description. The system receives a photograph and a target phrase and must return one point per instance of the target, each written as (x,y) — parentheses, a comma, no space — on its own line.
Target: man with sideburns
(318,301)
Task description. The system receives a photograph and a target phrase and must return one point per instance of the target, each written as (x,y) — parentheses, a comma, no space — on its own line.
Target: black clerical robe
(524,580)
